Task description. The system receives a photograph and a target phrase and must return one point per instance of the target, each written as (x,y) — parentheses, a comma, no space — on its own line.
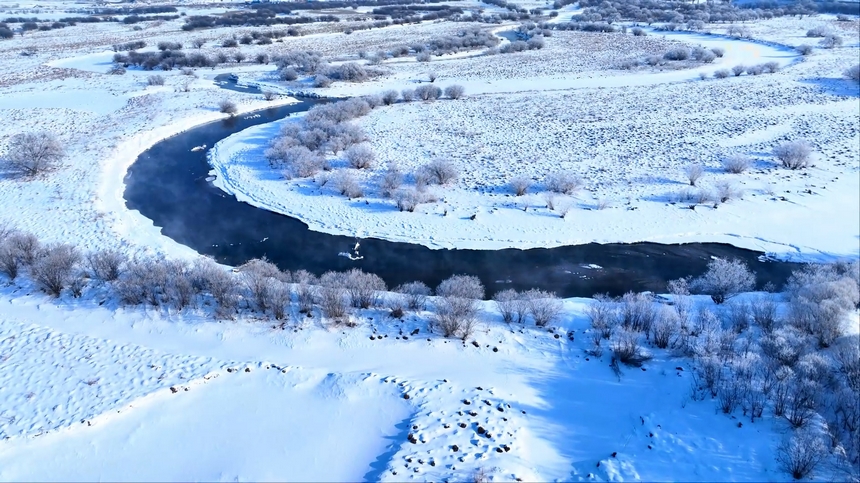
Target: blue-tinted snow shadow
(835,87)
(378,467)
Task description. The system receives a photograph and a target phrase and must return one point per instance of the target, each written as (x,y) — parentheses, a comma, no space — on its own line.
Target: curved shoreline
(241,171)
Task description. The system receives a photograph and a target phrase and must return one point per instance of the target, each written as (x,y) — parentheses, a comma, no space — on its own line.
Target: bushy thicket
(754,359)
(679,14)
(300,148)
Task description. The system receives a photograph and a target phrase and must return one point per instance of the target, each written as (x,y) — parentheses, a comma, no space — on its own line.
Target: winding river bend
(168,184)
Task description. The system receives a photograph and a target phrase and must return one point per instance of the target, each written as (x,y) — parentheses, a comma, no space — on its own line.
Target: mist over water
(168,184)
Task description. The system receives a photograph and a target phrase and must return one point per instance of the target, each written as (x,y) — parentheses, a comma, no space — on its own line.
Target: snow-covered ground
(629,136)
(93,392)
(89,391)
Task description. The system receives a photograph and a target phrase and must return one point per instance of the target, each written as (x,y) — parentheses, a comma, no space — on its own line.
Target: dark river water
(168,184)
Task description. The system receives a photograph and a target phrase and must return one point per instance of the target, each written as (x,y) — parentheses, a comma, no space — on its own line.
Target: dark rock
(455,448)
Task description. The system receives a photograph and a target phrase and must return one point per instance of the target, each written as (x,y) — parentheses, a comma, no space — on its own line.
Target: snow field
(344,406)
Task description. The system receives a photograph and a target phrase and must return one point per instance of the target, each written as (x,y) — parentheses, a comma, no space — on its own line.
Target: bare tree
(793,154)
(724,279)
(30,154)
(693,173)
(269,95)
(54,269)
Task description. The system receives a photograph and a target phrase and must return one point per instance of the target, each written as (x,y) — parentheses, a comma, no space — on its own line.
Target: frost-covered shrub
(544,307)
(853,73)
(10,260)
(31,154)
(820,298)
(391,180)
(638,32)
(564,182)
(626,346)
(805,49)
(416,294)
(407,199)
(784,345)
(106,265)
(508,302)
(345,183)
(665,327)
(718,51)
(423,57)
(364,289)
(637,312)
(441,171)
(724,279)
(820,31)
(454,91)
(227,106)
(389,97)
(793,154)
(206,276)
(54,268)
(360,156)
(457,305)
(831,41)
(255,275)
(322,81)
(763,311)
(736,163)
(738,70)
(288,74)
(738,315)
(298,160)
(726,191)
(755,70)
(801,453)
(407,94)
(722,74)
(770,67)
(306,290)
(332,297)
(693,173)
(155,80)
(520,185)
(428,92)
(679,53)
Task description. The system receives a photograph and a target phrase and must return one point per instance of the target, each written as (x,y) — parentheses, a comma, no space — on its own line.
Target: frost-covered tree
(724,279)
(31,154)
